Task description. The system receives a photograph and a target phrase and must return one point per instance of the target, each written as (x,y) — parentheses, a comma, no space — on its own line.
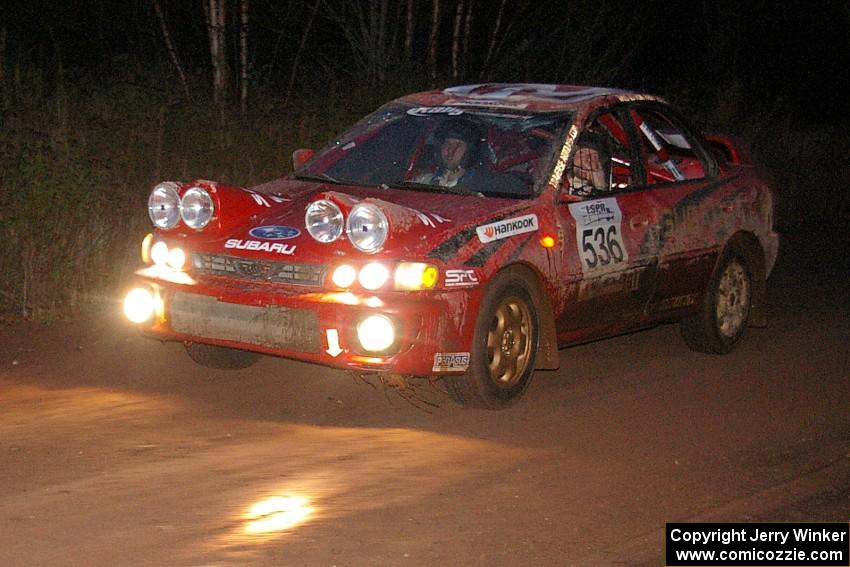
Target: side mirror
(302,156)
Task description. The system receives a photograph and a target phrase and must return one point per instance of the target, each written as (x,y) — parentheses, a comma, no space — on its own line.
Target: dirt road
(116,450)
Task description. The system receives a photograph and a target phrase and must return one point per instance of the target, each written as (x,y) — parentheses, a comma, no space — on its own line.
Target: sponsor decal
(599,235)
(274,232)
(236,244)
(490,103)
(461,278)
(607,284)
(430,219)
(678,301)
(506,228)
(263,200)
(426,110)
(450,361)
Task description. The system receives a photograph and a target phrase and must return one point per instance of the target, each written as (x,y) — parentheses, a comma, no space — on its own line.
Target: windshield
(445,148)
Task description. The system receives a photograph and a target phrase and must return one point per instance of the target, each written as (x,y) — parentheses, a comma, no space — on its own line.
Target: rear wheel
(726,309)
(503,349)
(221,358)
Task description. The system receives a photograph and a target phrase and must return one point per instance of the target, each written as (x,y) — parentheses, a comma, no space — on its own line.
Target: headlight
(164,205)
(367,228)
(412,276)
(159,253)
(343,276)
(323,220)
(176,258)
(373,276)
(196,208)
(376,333)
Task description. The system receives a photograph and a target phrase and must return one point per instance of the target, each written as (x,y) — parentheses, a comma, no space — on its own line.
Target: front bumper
(315,326)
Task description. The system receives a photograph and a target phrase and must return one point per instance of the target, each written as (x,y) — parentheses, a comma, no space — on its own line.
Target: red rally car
(467,233)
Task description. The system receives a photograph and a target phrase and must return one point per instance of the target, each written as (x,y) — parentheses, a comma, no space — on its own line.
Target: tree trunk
(408,32)
(467,32)
(243,56)
(216,19)
(432,41)
(456,40)
(169,45)
(301,45)
(381,44)
(493,37)
(6,101)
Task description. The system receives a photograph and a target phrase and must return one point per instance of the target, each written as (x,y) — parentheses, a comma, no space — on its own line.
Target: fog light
(176,258)
(374,275)
(139,305)
(159,253)
(376,333)
(344,276)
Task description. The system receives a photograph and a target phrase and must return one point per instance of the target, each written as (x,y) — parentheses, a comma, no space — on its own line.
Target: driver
(457,144)
(587,174)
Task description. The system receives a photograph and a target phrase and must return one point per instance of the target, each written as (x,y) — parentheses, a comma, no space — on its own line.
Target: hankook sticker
(508,227)
(450,361)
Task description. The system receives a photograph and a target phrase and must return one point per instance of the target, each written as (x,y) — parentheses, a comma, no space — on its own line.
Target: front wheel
(503,349)
(221,358)
(726,309)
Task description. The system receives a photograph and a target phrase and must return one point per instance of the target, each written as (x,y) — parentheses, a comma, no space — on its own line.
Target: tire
(221,358)
(726,308)
(503,349)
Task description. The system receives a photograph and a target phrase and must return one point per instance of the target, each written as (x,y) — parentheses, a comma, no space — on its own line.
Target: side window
(667,152)
(604,158)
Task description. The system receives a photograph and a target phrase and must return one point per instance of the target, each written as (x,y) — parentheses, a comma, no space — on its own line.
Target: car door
(609,264)
(678,182)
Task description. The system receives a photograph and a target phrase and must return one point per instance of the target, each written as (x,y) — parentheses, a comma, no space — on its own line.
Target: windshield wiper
(432,188)
(318,177)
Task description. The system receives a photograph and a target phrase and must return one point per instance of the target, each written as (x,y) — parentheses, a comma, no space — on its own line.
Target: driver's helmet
(592,175)
(461,129)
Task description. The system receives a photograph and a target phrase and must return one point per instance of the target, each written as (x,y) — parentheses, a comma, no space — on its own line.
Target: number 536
(601,246)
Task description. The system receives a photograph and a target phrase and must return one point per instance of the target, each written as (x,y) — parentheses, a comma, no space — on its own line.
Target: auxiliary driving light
(376,333)
(139,305)
(324,221)
(367,227)
(164,205)
(196,208)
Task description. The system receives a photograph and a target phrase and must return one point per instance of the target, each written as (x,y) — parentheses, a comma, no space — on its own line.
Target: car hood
(268,221)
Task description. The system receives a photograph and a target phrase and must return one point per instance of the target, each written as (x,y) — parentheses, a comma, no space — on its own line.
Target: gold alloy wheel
(733,299)
(509,342)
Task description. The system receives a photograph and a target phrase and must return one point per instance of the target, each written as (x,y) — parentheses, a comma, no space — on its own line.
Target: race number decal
(599,235)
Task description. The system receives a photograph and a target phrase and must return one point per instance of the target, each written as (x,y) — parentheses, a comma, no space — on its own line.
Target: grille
(247,268)
(270,326)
